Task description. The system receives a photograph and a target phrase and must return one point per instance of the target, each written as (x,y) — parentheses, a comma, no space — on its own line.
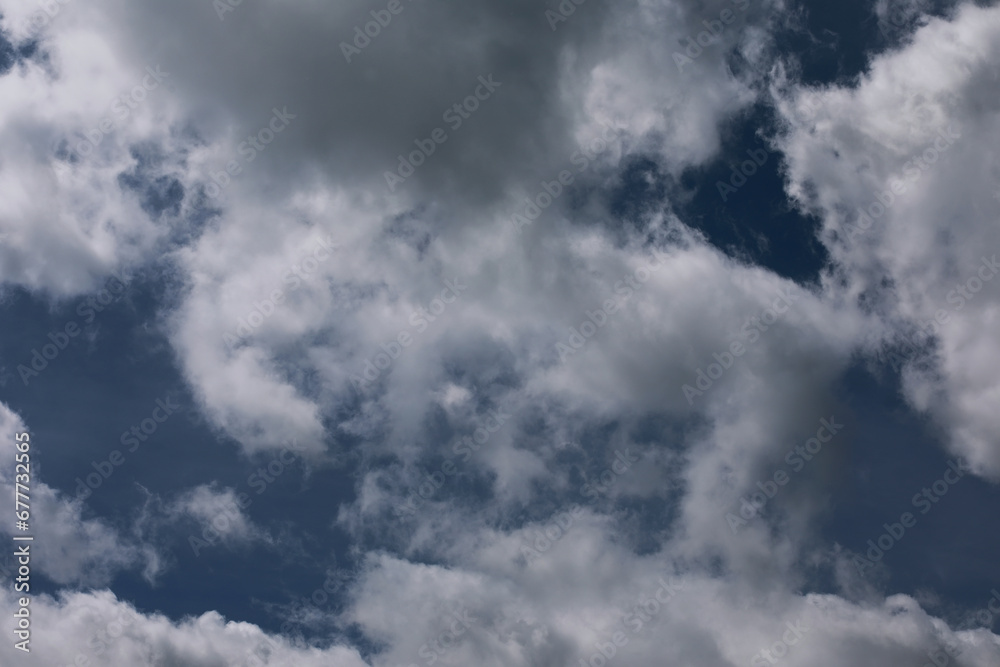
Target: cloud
(323,174)
(77,551)
(83,119)
(272,336)
(900,169)
(541,615)
(219,513)
(99,628)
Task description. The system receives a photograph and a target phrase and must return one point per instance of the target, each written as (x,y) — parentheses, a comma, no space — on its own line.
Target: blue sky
(276,404)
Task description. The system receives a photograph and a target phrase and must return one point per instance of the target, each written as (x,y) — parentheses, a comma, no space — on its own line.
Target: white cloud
(900,128)
(67,221)
(68,548)
(105,630)
(219,512)
(495,345)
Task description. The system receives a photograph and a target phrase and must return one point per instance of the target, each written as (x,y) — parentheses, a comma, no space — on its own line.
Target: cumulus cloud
(317,304)
(541,615)
(78,551)
(99,628)
(901,171)
(555,93)
(218,512)
(77,122)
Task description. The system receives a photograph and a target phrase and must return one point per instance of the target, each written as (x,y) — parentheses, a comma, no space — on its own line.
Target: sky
(551,332)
